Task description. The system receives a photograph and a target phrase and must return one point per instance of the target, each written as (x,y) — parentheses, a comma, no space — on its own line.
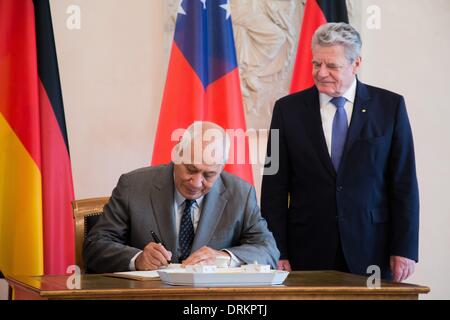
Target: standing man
(197,210)
(345,196)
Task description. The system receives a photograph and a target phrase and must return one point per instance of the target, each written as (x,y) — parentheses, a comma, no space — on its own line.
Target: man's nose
(196,180)
(322,71)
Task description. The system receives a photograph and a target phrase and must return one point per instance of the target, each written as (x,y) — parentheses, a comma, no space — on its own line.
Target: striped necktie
(187,234)
(339,134)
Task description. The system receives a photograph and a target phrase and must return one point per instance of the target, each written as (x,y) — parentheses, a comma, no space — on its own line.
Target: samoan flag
(202,80)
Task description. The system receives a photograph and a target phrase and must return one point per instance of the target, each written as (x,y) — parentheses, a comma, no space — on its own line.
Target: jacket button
(339,188)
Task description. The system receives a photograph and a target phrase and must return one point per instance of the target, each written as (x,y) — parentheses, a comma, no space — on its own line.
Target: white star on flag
(180,9)
(227,8)
(204,4)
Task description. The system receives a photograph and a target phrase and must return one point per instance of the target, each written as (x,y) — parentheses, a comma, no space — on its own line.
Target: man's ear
(357,64)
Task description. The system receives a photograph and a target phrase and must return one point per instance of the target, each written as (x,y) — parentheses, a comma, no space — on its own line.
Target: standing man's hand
(205,255)
(284,265)
(401,268)
(153,257)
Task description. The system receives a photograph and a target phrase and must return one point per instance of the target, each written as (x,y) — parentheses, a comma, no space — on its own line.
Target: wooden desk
(299,285)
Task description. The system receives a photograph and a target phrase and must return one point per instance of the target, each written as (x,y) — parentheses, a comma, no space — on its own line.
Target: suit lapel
(162,202)
(315,129)
(213,206)
(359,116)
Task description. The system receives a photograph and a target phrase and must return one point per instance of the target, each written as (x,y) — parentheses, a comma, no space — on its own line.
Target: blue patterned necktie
(339,135)
(187,234)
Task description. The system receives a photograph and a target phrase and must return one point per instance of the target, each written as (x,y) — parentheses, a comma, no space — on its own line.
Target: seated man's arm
(105,248)
(257,243)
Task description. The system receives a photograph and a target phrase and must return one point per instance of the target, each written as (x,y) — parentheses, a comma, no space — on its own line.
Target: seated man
(196,210)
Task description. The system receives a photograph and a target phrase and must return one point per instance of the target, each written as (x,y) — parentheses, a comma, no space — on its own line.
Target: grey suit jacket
(143,201)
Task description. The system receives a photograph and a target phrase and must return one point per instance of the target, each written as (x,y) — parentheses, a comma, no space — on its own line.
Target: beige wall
(409,55)
(113,72)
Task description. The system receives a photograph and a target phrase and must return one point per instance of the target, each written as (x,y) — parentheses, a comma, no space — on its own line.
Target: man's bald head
(203,142)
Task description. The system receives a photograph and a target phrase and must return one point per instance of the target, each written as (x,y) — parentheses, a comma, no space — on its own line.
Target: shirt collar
(179,199)
(349,95)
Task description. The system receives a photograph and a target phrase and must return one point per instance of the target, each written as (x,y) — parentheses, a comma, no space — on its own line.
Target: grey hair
(331,34)
(198,136)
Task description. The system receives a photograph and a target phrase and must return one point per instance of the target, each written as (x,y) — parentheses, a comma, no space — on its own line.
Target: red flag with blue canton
(202,80)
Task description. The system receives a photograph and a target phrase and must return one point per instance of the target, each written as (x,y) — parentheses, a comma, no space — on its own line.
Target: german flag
(317,12)
(36,190)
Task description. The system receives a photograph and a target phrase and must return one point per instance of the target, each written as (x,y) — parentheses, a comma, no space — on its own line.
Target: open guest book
(135,275)
(210,275)
(143,275)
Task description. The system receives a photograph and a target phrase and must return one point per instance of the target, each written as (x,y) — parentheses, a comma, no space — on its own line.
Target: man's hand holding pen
(154,256)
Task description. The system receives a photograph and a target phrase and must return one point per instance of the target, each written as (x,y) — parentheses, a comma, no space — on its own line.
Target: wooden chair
(9,290)
(85,214)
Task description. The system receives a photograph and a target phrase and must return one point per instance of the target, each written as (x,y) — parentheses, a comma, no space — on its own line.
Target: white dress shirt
(178,206)
(328,109)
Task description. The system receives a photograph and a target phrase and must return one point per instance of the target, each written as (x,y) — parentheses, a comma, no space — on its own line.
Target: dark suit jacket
(372,202)
(143,201)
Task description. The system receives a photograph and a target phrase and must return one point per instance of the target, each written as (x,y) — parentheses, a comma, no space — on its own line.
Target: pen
(156,239)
